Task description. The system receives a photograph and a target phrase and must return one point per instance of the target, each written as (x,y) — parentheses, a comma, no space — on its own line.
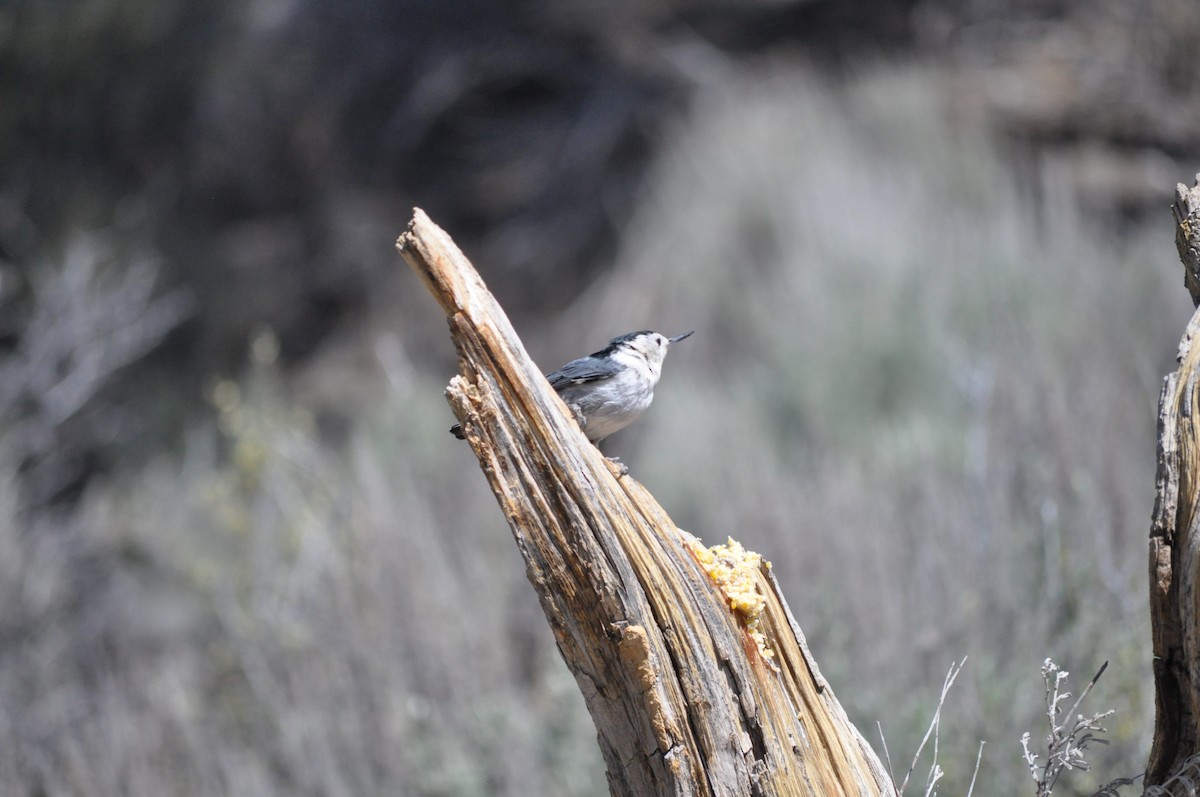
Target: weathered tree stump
(694,689)
(1175,536)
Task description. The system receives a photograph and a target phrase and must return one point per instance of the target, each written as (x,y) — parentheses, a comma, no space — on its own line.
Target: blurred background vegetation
(925,245)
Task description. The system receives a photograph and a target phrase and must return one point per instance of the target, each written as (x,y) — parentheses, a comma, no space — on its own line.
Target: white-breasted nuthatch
(612,388)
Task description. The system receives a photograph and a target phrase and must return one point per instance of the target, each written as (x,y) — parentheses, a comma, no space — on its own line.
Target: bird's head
(648,345)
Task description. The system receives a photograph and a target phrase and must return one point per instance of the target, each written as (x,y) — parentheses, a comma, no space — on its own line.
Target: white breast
(612,404)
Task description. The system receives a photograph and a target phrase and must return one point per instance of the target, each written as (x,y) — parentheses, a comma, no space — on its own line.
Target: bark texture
(683,701)
(1175,535)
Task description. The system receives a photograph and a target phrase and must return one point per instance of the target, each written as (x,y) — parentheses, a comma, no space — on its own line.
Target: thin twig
(975,774)
(886,755)
(955,669)
(1087,689)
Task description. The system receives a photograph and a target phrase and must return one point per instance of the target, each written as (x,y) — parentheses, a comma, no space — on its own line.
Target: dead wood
(684,700)
(1175,534)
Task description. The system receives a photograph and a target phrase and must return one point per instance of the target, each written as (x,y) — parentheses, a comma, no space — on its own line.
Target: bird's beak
(678,338)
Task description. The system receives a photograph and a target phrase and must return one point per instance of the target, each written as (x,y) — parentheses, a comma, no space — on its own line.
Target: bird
(611,388)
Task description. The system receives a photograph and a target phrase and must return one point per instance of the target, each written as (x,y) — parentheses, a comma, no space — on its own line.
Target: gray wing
(585,369)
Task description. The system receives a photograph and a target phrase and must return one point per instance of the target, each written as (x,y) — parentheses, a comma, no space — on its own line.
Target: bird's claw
(621,468)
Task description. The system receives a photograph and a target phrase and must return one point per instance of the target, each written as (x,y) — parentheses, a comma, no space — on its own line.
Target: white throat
(646,367)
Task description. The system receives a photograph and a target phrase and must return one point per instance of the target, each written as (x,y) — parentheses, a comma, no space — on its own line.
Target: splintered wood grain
(1187,235)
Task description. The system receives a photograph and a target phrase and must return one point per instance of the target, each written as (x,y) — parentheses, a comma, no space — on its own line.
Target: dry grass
(929,406)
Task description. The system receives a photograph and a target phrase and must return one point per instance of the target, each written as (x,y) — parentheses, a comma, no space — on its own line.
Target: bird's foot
(619,467)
